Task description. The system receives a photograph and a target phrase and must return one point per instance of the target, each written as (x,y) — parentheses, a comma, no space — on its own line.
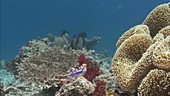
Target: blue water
(24,20)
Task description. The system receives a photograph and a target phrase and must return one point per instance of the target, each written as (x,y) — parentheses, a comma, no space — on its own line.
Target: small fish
(78,72)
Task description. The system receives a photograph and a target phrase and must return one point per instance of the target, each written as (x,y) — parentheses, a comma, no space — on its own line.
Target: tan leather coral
(142,58)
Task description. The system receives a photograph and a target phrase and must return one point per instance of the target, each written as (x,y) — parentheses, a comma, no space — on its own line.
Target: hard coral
(158,18)
(138,54)
(2,92)
(156,83)
(161,54)
(76,87)
(130,71)
(49,67)
(126,58)
(77,42)
(134,30)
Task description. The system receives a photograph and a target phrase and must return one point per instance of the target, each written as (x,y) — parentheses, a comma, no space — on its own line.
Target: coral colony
(67,66)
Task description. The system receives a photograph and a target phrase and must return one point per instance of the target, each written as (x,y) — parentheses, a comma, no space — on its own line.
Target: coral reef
(45,62)
(161,54)
(33,48)
(47,68)
(158,18)
(104,62)
(76,87)
(89,44)
(3,64)
(76,42)
(20,88)
(130,68)
(93,69)
(139,29)
(6,77)
(160,84)
(142,63)
(100,88)
(2,92)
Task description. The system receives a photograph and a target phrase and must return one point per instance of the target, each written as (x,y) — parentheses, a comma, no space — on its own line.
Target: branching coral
(49,67)
(21,88)
(140,58)
(158,18)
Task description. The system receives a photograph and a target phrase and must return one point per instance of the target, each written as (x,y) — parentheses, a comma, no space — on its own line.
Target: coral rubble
(142,61)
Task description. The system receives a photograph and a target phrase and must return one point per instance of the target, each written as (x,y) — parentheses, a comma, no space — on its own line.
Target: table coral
(140,58)
(47,68)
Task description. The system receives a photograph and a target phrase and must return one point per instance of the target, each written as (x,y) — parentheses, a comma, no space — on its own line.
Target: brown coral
(161,54)
(130,68)
(165,31)
(130,65)
(158,18)
(156,83)
(139,55)
(49,67)
(127,57)
(134,30)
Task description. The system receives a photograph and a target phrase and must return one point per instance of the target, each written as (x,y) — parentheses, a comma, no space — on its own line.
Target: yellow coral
(158,18)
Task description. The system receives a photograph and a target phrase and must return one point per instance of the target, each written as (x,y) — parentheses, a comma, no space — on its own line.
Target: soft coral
(100,88)
(92,70)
